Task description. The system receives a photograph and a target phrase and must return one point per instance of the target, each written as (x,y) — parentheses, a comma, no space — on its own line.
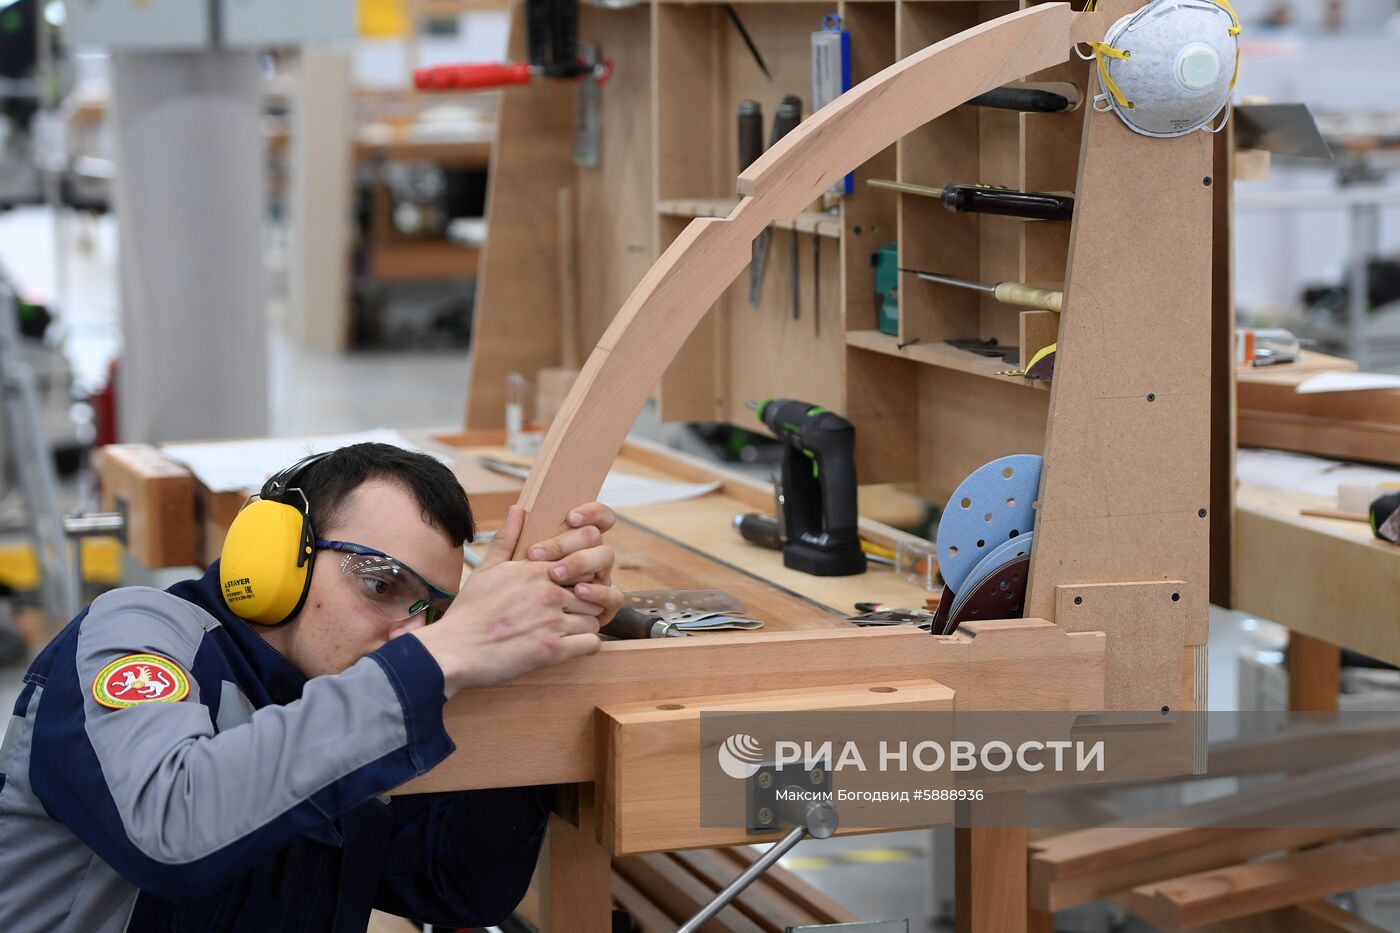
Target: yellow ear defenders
(265,566)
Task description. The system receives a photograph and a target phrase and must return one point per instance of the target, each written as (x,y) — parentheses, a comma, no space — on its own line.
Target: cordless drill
(819,487)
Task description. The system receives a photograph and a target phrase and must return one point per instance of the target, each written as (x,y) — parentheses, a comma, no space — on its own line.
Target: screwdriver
(1009,293)
(982,199)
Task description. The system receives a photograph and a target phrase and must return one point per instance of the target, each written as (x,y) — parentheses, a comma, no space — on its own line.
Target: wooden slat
(1242,890)
(1310,917)
(760,902)
(646,916)
(651,757)
(678,893)
(1026,664)
(789,885)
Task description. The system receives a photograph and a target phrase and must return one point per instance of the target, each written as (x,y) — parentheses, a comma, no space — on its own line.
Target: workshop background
(323,282)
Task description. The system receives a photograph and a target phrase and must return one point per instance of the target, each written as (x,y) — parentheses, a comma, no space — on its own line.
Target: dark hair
(329,482)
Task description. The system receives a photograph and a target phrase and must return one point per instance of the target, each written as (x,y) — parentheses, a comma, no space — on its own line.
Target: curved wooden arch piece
(691,275)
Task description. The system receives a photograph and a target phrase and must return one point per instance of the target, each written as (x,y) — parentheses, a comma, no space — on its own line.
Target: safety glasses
(391,586)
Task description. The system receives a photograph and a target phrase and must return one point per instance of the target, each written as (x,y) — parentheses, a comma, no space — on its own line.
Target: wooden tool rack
(1130,429)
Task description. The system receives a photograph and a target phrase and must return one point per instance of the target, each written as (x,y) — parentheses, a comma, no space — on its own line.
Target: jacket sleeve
(178,808)
(463,859)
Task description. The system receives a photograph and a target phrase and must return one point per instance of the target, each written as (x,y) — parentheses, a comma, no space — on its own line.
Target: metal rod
(765,861)
(950,280)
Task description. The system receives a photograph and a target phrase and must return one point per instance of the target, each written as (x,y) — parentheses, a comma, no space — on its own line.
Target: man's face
(339,624)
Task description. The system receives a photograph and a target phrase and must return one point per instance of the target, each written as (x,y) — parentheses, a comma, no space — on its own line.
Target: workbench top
(1324,577)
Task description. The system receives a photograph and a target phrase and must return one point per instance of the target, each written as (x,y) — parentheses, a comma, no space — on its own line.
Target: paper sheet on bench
(1347,382)
(1302,473)
(243,466)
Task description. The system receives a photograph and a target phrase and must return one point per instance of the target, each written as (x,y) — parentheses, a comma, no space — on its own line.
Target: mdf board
(1125,492)
(966,421)
(517,287)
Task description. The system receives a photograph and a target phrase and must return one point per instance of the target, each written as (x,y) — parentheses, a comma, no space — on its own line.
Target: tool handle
(750,132)
(1006,202)
(471,77)
(1028,296)
(1055,98)
(758,529)
(629,623)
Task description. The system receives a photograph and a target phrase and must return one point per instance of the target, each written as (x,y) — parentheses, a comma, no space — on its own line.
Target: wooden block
(1026,664)
(1255,887)
(650,757)
(1146,624)
(214,513)
(489,493)
(157,495)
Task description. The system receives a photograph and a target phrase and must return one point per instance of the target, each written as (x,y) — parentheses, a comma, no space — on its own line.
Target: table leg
(991,879)
(1314,672)
(575,878)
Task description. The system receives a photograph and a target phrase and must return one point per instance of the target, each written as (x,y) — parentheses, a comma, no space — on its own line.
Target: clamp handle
(471,77)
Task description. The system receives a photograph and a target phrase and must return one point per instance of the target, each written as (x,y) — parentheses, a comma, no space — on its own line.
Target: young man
(173,767)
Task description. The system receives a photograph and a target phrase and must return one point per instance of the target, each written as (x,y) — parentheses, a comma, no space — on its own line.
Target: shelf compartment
(941,355)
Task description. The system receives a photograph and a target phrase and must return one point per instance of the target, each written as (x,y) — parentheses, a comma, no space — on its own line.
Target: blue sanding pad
(995,504)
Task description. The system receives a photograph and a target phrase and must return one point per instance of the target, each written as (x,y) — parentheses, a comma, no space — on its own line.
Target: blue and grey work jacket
(255,802)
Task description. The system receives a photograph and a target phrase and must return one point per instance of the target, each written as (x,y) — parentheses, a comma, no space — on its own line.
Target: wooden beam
(1255,887)
(1026,664)
(574,877)
(991,879)
(1309,917)
(157,497)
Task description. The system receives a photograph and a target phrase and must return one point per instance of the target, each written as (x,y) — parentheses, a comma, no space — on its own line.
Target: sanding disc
(995,504)
(996,587)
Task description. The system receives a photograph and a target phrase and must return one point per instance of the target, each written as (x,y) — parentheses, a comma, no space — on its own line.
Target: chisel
(981,199)
(785,120)
(1010,293)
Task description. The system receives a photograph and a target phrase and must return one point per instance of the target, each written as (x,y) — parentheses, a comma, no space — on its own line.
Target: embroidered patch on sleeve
(140,678)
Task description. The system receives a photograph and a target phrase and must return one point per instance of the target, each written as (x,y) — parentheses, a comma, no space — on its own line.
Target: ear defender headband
(265,566)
